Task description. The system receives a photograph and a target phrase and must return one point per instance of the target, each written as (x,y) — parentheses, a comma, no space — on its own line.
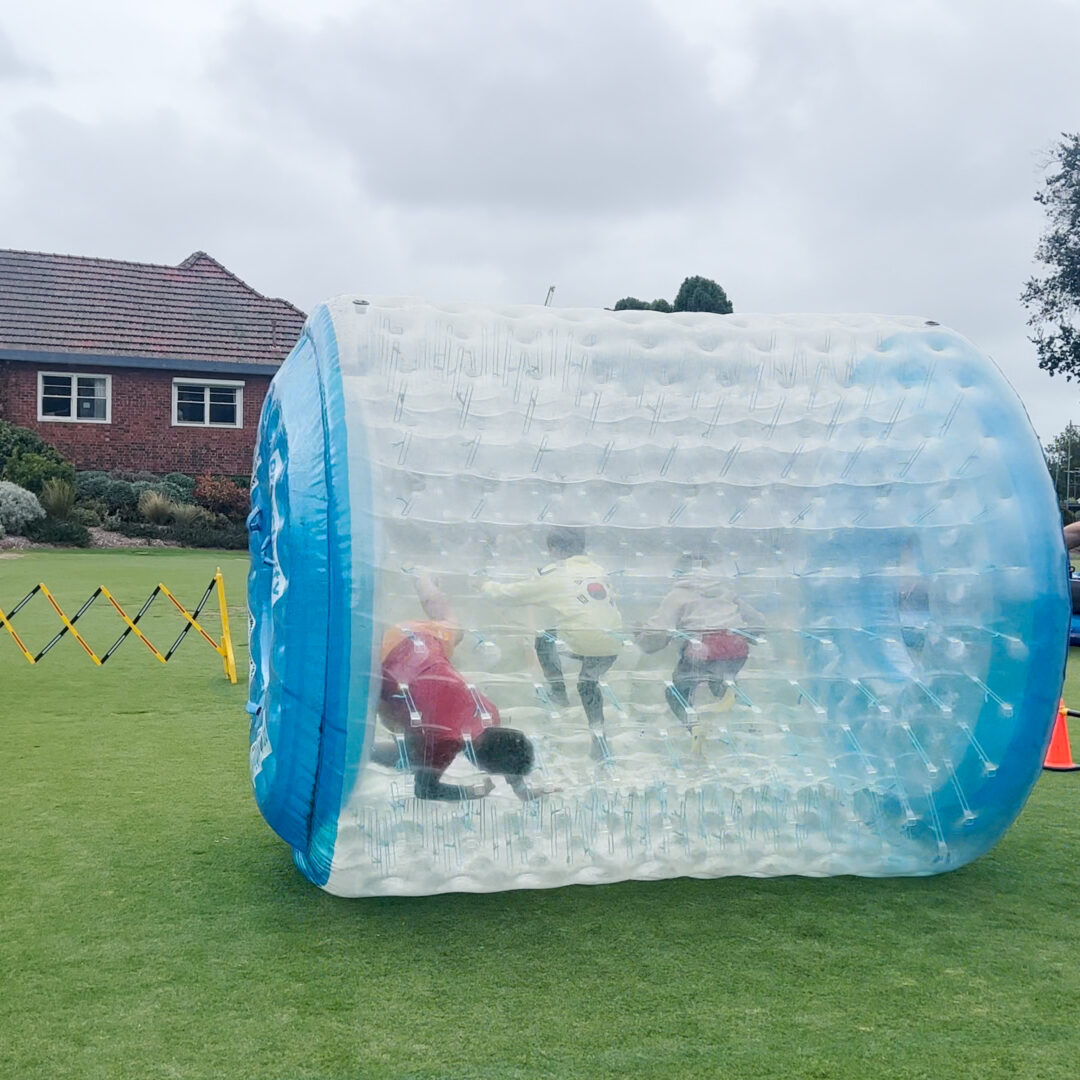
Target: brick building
(138,366)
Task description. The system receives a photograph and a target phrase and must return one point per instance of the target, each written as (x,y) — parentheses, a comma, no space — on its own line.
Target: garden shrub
(198,530)
(135,476)
(45,530)
(98,507)
(28,460)
(92,484)
(184,482)
(230,535)
(86,516)
(189,514)
(122,499)
(155,507)
(58,498)
(18,507)
(162,487)
(15,440)
(223,496)
(32,471)
(172,492)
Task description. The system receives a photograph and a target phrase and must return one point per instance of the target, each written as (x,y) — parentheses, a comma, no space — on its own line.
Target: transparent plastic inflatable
(549,596)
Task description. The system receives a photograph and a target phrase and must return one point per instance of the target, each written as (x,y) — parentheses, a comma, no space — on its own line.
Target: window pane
(223,405)
(55,395)
(56,385)
(223,414)
(191,412)
(91,399)
(88,387)
(191,404)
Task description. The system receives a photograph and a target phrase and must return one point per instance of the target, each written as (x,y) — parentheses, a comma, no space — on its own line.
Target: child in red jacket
(425,700)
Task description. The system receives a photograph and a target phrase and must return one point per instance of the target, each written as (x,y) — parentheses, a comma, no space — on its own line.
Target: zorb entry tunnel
(549,596)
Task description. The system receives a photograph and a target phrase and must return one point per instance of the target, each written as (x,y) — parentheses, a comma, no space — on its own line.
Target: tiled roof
(194,311)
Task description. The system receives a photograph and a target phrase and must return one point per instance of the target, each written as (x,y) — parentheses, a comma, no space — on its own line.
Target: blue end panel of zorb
(834,596)
(311,567)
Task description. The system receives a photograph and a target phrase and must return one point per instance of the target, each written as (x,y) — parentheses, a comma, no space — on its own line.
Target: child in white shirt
(703,613)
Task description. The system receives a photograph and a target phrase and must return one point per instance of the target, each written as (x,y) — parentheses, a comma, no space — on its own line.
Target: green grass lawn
(151,925)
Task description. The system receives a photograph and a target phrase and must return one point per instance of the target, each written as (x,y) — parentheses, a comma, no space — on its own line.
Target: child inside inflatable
(549,596)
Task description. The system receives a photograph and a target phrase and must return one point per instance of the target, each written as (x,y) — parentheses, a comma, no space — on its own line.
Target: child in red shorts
(702,612)
(425,700)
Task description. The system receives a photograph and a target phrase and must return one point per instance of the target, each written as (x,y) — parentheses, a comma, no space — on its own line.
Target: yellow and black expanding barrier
(223,648)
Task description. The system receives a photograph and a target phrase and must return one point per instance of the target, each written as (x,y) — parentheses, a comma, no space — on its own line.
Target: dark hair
(504,751)
(565,541)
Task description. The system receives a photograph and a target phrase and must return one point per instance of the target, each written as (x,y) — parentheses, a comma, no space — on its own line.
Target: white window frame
(235,384)
(74,376)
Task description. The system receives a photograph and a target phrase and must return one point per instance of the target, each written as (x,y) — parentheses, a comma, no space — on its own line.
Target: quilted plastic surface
(858,504)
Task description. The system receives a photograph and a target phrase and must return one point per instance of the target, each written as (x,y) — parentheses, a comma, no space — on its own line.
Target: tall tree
(702,294)
(1063,461)
(630,303)
(1053,298)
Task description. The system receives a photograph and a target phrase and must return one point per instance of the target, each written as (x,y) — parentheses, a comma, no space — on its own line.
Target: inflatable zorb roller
(549,596)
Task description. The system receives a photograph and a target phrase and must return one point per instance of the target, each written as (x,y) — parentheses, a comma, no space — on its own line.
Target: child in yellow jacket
(576,587)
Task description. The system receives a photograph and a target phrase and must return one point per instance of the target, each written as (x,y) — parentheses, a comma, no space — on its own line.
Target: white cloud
(550,107)
(820,155)
(155,189)
(15,67)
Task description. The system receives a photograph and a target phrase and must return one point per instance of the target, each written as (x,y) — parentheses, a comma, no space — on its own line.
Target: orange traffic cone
(1059,756)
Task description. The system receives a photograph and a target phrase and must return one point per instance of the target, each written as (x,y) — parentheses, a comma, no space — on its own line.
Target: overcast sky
(810,155)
